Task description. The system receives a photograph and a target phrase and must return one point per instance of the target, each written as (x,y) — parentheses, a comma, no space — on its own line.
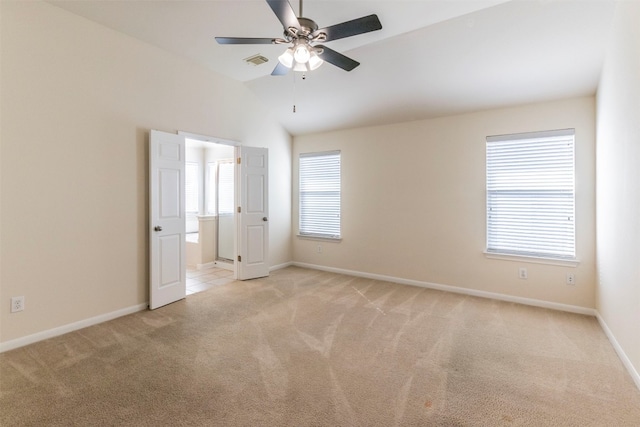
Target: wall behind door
(74,199)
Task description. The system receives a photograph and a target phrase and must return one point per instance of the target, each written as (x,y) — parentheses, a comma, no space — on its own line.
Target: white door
(166,218)
(253,216)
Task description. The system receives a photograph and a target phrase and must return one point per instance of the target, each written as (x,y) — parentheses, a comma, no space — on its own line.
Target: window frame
(545,189)
(317,232)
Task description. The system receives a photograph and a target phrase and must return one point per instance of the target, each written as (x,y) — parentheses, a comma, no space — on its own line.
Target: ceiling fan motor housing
(307,27)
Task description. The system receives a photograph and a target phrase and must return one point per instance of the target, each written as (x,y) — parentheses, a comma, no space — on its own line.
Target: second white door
(253,216)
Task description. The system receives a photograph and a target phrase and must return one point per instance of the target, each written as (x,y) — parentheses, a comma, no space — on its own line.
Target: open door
(253,213)
(166,218)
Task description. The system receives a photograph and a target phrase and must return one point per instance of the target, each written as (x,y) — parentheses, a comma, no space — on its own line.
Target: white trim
(61,330)
(65,329)
(225,265)
(208,138)
(533,259)
(456,289)
(621,354)
(320,153)
(319,238)
(205,265)
(532,135)
(281,266)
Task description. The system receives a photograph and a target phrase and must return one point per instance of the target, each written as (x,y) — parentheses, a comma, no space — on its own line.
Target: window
(191,194)
(530,194)
(211,188)
(320,194)
(225,187)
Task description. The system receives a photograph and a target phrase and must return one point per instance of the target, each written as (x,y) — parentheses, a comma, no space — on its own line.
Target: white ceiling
(432,57)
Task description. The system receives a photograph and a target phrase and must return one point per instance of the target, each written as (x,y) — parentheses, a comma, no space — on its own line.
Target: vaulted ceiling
(432,57)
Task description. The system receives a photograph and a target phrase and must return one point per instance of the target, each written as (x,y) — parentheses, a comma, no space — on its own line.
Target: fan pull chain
(294,92)
(304,76)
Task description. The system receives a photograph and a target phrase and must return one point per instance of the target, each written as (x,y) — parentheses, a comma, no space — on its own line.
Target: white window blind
(320,194)
(530,194)
(225,187)
(192,188)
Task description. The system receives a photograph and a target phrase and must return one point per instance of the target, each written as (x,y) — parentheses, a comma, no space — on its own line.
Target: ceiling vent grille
(256,60)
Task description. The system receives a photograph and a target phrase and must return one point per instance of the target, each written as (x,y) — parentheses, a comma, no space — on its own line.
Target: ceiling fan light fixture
(314,61)
(301,53)
(303,34)
(301,67)
(301,57)
(286,58)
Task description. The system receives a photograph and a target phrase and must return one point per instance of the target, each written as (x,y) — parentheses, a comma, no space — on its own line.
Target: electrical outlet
(17,304)
(319,249)
(522,273)
(571,279)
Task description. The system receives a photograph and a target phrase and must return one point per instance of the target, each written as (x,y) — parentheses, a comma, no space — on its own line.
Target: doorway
(168,219)
(209,214)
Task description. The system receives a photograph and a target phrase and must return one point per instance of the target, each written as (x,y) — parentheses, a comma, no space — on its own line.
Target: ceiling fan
(303,34)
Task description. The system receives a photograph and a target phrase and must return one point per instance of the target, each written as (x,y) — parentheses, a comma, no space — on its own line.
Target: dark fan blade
(351,28)
(280,70)
(337,59)
(243,40)
(285,13)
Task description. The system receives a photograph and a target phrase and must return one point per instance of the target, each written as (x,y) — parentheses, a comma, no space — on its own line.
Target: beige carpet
(309,348)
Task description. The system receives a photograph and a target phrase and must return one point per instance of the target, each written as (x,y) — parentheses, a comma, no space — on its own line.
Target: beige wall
(78,101)
(618,189)
(413,202)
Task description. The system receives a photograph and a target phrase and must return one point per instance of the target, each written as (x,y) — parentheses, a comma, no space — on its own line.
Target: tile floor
(201,280)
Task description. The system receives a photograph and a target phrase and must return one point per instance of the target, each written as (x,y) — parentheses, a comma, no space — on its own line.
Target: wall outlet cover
(522,273)
(17,304)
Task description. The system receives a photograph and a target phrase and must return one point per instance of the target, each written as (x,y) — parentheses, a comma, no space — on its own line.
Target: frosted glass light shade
(314,61)
(300,67)
(301,54)
(286,58)
(300,57)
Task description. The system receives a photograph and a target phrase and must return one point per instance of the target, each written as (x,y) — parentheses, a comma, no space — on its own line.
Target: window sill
(533,259)
(322,238)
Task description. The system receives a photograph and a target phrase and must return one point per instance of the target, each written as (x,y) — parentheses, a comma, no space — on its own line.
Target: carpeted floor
(310,348)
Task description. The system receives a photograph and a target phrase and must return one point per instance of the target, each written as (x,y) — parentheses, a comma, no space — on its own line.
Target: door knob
(264,218)
(157,228)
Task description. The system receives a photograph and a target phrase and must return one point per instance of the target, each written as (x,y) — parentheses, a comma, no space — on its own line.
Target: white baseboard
(61,330)
(205,265)
(621,354)
(527,301)
(455,289)
(64,329)
(225,265)
(280,266)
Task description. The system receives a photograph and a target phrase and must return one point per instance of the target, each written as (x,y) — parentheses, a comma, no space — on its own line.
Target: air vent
(256,60)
